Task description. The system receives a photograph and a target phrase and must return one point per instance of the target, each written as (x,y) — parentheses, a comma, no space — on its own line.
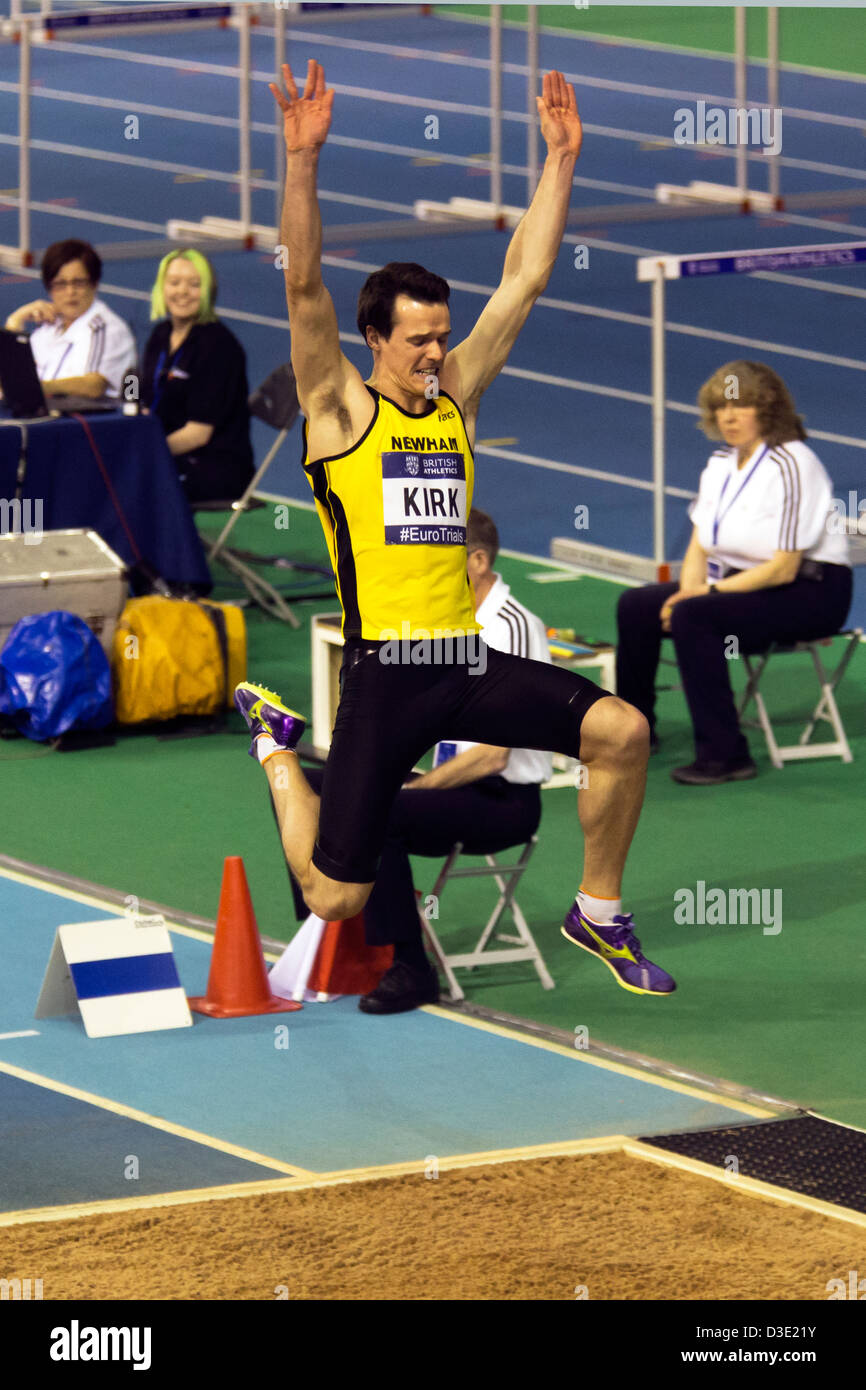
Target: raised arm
(532,251)
(322,372)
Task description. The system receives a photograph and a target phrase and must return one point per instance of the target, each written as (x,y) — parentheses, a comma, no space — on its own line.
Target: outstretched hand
(557,108)
(306,119)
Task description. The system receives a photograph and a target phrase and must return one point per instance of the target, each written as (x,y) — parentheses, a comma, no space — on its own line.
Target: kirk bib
(394,511)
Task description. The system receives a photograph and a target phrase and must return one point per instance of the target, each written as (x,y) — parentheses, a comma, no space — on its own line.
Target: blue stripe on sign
(94,979)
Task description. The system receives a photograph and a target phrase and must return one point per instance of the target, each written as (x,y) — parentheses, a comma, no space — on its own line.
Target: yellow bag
(176,656)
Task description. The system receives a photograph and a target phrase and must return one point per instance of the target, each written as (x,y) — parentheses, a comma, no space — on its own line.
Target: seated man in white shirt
(80,346)
(488,798)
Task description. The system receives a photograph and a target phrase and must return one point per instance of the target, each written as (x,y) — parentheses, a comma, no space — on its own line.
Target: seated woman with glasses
(194,379)
(766,563)
(80,346)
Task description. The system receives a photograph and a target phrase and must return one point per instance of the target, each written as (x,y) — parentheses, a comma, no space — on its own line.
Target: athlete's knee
(332,900)
(614,729)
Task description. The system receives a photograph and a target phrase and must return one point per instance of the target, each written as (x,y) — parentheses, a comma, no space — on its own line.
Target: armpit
(331,403)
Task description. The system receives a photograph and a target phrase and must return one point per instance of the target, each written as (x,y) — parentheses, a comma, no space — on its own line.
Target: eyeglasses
(70,284)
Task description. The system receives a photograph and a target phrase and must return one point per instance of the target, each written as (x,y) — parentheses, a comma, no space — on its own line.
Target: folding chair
(521,946)
(826,708)
(276,403)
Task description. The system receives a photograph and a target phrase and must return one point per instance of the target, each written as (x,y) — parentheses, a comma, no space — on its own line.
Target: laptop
(22,390)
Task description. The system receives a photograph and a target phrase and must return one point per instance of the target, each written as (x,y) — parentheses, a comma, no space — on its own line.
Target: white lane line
(25,1033)
(128,1112)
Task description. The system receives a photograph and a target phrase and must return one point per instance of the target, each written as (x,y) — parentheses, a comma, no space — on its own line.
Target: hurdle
(656,270)
(669,194)
(30,30)
(236,231)
(739,193)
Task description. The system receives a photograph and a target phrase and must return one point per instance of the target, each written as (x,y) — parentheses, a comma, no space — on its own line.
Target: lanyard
(157,376)
(66,352)
(720,515)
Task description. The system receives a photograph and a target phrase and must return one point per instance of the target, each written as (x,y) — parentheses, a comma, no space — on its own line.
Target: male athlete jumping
(391,466)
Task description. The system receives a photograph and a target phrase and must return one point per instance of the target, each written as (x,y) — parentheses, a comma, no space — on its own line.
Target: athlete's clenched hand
(306,119)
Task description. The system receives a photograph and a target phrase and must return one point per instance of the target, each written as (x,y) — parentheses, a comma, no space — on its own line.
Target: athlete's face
(416,349)
(738,425)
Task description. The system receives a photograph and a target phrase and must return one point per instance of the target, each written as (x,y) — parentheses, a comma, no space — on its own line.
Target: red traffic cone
(344,963)
(237,985)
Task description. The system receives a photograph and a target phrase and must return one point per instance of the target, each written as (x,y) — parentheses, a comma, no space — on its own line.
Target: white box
(74,571)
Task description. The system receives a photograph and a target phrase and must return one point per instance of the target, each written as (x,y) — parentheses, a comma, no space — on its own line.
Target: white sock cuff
(601,910)
(265,746)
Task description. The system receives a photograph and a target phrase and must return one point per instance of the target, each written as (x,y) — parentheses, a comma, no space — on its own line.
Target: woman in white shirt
(765,563)
(80,346)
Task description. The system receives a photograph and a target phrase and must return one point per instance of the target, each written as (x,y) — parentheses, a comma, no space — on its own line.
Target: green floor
(817,36)
(780,1012)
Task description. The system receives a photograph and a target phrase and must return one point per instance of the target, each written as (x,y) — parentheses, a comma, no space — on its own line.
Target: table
(326,641)
(63,476)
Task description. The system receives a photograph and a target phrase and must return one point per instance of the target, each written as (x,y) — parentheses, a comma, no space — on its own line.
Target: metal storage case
(70,570)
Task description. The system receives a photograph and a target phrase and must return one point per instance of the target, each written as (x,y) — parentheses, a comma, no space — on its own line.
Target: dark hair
(379,291)
(62,252)
(481,534)
(751,384)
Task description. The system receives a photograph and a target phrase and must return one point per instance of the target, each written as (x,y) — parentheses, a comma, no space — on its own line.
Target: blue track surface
(349,1091)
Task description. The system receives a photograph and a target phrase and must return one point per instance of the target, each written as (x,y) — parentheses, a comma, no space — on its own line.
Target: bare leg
(614,748)
(297,808)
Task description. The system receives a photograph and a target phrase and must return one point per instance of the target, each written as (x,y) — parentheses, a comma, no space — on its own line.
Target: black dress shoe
(700,774)
(401,988)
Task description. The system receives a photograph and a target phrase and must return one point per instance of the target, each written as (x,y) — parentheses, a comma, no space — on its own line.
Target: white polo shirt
(779,500)
(509,627)
(97,341)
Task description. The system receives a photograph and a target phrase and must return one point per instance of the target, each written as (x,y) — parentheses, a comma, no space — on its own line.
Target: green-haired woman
(195,380)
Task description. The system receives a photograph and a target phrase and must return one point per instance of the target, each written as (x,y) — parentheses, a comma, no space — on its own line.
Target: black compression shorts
(389,716)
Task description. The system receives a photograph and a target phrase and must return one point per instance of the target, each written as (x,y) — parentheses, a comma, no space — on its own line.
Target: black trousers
(485,816)
(390,715)
(702,629)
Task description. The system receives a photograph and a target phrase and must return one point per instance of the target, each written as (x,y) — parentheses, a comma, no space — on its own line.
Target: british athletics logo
(424,498)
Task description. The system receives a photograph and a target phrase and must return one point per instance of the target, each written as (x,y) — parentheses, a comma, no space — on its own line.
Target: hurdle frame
(739,193)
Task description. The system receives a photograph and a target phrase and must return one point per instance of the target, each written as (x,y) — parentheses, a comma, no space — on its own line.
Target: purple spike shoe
(619,948)
(265,713)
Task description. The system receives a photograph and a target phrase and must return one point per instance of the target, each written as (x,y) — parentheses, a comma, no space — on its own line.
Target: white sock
(601,910)
(265,746)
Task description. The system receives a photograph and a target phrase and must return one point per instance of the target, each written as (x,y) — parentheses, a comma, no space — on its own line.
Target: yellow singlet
(393,509)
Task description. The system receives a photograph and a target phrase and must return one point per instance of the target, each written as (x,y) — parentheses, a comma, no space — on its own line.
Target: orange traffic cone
(237,985)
